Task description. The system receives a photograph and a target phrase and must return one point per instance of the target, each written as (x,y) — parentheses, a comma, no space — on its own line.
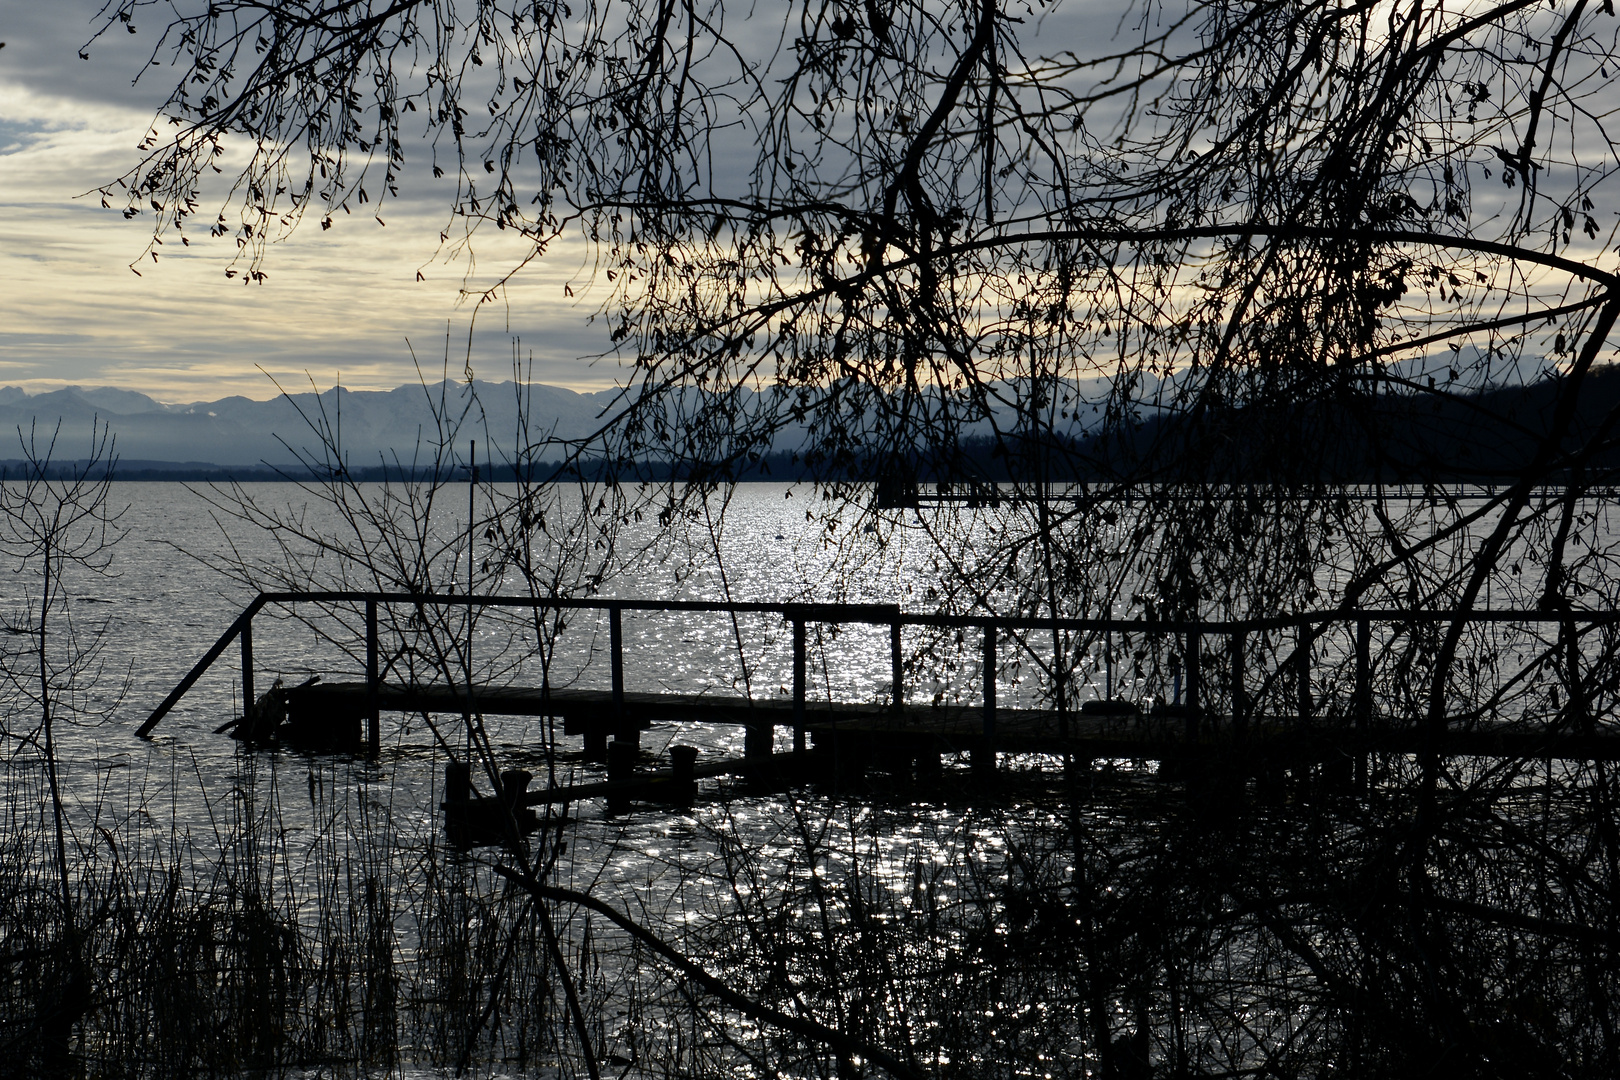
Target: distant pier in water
(1320,691)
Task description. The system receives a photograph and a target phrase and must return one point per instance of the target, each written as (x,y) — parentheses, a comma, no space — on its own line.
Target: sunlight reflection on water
(163,609)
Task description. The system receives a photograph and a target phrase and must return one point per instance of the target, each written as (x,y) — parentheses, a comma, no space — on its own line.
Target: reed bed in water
(255,948)
(1111,921)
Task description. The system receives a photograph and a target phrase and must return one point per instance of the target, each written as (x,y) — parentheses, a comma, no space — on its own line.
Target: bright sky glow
(343,301)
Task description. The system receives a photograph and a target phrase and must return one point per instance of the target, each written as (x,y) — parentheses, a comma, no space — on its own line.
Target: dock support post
(759,737)
(1240,696)
(1195,645)
(596,743)
(1363,696)
(373,707)
(623,730)
(798,687)
(621,767)
(457,782)
(249,698)
(984,755)
(895,666)
(682,760)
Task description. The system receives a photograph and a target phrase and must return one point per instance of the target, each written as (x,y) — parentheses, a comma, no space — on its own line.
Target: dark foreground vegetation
(1395,915)
(1111,924)
(1297,240)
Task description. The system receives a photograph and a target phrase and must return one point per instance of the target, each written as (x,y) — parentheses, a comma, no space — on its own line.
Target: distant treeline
(1480,437)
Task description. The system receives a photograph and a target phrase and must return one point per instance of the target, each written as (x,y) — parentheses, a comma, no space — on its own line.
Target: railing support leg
(1577,698)
(798,686)
(1363,697)
(624,730)
(895,666)
(249,698)
(1302,651)
(373,707)
(984,755)
(1195,645)
(1240,695)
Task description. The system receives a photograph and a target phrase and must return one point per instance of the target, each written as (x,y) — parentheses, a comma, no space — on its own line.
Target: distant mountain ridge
(240,432)
(1409,434)
(377,427)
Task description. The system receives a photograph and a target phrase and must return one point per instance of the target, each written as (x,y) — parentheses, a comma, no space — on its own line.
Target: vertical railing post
(1240,695)
(1577,699)
(248,697)
(1060,682)
(373,704)
(798,686)
(1302,653)
(1363,703)
(895,666)
(1195,645)
(1363,675)
(984,755)
(1108,665)
(623,729)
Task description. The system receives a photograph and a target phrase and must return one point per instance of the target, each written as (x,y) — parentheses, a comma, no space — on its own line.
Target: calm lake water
(161,606)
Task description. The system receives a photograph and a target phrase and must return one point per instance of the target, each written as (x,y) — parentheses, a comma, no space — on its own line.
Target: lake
(241,911)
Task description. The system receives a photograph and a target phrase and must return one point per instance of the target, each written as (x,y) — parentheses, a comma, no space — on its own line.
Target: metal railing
(1186,644)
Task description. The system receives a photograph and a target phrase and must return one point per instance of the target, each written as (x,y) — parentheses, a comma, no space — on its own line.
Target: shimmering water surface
(160,607)
(315,826)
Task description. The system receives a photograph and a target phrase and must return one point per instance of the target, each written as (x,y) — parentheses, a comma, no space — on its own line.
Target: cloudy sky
(340,302)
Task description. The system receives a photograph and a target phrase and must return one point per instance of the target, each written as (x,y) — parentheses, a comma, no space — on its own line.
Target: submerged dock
(343,708)
(1301,689)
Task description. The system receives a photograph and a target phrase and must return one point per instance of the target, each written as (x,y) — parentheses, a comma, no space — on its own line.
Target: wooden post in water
(798,686)
(373,708)
(682,760)
(457,782)
(984,755)
(472,491)
(621,766)
(1108,665)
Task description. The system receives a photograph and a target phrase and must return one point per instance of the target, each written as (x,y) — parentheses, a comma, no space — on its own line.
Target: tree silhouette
(1193,282)
(1211,248)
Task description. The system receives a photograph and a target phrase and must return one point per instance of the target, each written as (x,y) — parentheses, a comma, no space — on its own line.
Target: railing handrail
(885,614)
(870,613)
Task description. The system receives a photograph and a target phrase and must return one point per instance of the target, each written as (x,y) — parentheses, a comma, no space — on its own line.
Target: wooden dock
(1174,732)
(1281,714)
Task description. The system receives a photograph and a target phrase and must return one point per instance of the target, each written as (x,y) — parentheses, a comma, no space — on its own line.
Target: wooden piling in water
(682,761)
(1239,693)
(1363,697)
(622,755)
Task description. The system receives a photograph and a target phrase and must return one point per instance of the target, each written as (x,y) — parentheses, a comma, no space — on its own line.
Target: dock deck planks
(943,728)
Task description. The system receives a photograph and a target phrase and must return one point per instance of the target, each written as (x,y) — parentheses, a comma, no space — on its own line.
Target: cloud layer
(343,301)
